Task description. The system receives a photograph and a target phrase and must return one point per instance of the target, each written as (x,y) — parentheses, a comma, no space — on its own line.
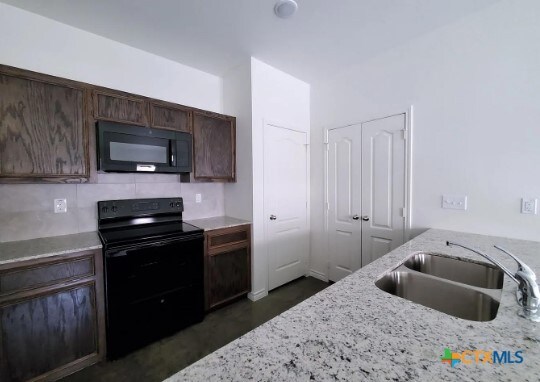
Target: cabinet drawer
(227,236)
(37,276)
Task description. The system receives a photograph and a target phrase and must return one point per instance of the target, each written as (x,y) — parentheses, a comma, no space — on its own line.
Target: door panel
(344,201)
(285,185)
(214,140)
(381,173)
(383,186)
(42,129)
(43,333)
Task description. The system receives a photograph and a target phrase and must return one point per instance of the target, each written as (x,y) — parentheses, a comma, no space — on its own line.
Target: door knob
(273,217)
(355,217)
(365,218)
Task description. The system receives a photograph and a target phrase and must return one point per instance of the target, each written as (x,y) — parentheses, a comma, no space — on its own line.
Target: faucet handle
(528,296)
(521,265)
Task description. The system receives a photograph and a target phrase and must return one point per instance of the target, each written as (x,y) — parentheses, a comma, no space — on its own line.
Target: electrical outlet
(454,202)
(198,198)
(60,206)
(528,206)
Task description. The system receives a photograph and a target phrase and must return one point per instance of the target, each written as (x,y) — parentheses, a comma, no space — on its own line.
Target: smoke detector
(285,8)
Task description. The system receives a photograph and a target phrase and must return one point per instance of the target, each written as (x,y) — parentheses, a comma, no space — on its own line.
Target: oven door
(137,149)
(152,290)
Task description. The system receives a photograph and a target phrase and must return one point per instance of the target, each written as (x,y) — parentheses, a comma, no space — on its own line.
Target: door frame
(282,125)
(409,113)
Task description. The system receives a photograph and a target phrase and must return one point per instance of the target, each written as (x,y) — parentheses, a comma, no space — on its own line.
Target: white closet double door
(366,193)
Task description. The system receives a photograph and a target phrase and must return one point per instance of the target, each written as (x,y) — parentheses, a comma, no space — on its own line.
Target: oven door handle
(172,149)
(123,250)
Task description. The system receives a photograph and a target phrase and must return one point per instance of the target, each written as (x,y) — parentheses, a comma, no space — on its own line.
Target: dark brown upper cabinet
(214,147)
(110,105)
(47,129)
(43,128)
(165,115)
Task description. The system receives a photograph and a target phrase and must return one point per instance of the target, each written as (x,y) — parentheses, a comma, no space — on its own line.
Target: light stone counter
(14,251)
(217,222)
(352,331)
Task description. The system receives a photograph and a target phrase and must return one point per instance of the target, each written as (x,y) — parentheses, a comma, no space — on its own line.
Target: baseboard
(254,296)
(318,275)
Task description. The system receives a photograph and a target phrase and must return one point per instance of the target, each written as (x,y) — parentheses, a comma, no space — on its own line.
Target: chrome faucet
(528,294)
(521,265)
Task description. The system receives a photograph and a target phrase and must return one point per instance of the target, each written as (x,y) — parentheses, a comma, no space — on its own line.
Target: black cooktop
(140,220)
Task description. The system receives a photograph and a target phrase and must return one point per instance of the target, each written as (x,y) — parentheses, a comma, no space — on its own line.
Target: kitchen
(469,81)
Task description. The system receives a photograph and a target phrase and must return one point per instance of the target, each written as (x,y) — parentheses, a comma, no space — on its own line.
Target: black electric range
(154,271)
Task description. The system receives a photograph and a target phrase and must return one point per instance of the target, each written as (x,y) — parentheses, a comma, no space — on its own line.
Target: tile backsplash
(26,210)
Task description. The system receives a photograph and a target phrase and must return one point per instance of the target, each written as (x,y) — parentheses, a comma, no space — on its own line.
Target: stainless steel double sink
(462,288)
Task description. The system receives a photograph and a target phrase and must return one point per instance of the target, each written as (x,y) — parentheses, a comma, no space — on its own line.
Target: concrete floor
(164,358)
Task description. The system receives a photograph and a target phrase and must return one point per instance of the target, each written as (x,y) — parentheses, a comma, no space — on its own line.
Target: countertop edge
(39,248)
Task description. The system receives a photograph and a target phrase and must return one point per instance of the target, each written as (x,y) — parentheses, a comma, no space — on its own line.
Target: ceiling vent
(285,8)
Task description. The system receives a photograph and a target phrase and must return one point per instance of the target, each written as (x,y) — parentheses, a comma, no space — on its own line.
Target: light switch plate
(529,206)
(60,206)
(454,202)
(198,198)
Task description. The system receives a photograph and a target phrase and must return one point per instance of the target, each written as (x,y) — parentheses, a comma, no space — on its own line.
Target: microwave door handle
(172,146)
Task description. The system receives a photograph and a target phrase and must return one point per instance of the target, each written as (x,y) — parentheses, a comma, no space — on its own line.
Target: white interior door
(383,186)
(285,204)
(344,203)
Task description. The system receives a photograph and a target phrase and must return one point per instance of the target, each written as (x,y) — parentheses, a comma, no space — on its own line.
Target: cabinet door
(46,332)
(229,275)
(214,147)
(119,107)
(52,319)
(169,116)
(227,264)
(43,132)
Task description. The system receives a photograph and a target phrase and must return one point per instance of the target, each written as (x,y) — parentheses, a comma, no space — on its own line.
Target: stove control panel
(138,207)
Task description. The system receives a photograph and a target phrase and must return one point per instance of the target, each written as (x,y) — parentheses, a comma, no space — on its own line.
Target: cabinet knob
(355,217)
(273,217)
(365,218)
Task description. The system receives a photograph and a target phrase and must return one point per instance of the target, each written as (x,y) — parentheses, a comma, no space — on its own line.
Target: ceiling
(322,38)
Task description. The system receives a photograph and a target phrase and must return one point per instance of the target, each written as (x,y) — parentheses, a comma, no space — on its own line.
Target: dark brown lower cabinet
(51,316)
(227,265)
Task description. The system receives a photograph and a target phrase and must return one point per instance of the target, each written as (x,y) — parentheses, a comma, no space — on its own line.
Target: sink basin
(469,272)
(453,299)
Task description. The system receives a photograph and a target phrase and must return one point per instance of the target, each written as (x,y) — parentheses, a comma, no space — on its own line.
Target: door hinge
(327,146)
(403,212)
(327,205)
(404,134)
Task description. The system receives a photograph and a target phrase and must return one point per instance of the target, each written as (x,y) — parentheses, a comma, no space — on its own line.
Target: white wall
(279,98)
(36,43)
(475,87)
(237,102)
(33,42)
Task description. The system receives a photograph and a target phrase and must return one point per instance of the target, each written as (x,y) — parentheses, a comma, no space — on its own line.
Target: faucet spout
(528,293)
(486,256)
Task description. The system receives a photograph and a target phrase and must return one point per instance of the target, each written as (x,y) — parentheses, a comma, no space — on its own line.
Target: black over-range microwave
(128,148)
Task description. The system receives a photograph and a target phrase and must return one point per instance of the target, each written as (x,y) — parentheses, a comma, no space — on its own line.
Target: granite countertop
(14,251)
(217,222)
(354,331)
